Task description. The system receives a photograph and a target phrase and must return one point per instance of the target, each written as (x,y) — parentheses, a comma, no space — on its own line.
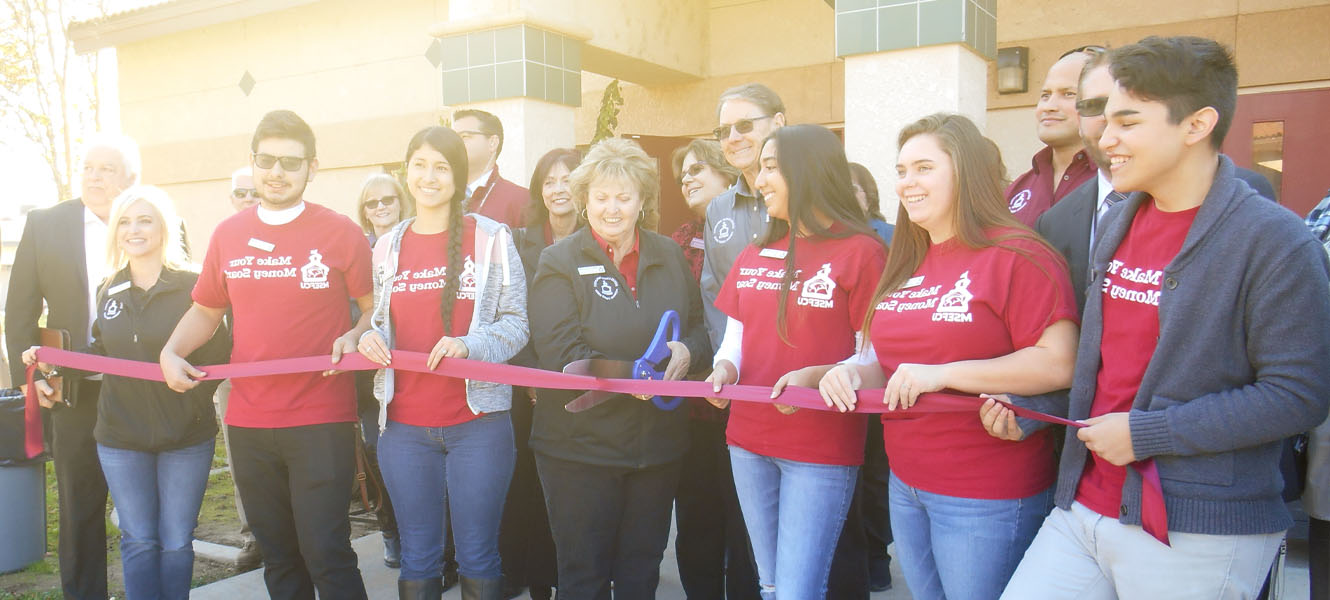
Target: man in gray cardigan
(1194,353)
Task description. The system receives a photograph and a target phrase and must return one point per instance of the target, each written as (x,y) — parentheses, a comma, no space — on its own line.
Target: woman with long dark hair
(815,269)
(971,302)
(449,285)
(525,540)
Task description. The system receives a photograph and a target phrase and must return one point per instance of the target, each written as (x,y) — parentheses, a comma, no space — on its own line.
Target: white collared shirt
(477,182)
(280,216)
(1105,188)
(94,255)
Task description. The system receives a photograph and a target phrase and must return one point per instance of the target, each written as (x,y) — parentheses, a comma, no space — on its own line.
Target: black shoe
(482,589)
(542,592)
(449,576)
(419,589)
(879,575)
(392,553)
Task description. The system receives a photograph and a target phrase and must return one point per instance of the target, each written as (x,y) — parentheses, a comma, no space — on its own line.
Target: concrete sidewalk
(381,582)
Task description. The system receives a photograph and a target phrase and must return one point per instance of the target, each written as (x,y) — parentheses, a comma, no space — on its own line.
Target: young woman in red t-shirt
(971,302)
(815,270)
(452,286)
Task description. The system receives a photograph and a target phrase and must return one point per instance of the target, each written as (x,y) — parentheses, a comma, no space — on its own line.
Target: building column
(906,59)
(526,71)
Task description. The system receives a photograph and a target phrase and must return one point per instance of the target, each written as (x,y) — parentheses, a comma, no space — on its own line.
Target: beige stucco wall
(356,72)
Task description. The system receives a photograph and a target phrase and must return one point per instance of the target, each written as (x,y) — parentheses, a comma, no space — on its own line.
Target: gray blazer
(498,320)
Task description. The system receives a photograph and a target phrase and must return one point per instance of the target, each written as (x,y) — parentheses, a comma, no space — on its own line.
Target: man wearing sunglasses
(1061,166)
(747,115)
(488,193)
(243,192)
(285,271)
(1071,224)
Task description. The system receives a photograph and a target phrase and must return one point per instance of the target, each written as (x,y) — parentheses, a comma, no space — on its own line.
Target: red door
(1286,137)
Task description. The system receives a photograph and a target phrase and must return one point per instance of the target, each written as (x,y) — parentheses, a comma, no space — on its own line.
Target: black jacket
(50,269)
(132,323)
(1066,226)
(576,315)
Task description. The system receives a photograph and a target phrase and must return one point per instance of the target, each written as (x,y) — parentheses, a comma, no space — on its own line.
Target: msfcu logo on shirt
(1019,201)
(723,230)
(314,275)
(817,291)
(955,305)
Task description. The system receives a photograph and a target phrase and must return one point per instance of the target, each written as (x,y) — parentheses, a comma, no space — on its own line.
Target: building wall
(356,71)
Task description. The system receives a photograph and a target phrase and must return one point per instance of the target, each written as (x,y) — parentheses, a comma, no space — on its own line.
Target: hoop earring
(582,213)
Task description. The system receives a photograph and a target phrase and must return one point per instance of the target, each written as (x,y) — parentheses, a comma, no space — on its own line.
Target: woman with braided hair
(451,285)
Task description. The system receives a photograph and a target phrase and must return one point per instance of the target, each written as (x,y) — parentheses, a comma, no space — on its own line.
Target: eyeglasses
(743,126)
(466,133)
(289,163)
(693,170)
(385,202)
(1091,107)
(1090,49)
(241,193)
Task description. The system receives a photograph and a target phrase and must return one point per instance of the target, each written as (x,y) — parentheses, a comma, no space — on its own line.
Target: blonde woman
(155,445)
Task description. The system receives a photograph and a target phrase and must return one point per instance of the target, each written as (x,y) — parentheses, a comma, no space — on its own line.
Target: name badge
(260,244)
(913,282)
(116,289)
(772,253)
(698,243)
(591,270)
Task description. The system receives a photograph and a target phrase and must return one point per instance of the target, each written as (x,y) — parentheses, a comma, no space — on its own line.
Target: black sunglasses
(385,202)
(1090,49)
(289,163)
(693,170)
(240,193)
(742,126)
(1091,107)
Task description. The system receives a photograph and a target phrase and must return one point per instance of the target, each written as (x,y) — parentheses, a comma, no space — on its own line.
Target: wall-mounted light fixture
(1013,70)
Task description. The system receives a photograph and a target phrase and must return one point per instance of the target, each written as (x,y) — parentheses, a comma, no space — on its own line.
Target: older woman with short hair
(382,204)
(610,472)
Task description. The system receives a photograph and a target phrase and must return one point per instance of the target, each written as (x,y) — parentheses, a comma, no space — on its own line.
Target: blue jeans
(954,548)
(157,495)
(794,512)
(465,467)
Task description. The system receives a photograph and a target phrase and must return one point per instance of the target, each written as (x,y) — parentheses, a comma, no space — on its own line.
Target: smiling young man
(1189,354)
(1062,165)
(285,270)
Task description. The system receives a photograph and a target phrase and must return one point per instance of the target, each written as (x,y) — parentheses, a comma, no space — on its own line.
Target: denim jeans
(157,495)
(954,548)
(794,512)
(465,467)
(1082,555)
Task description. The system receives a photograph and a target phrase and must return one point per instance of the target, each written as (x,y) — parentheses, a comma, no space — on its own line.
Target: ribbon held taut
(1153,516)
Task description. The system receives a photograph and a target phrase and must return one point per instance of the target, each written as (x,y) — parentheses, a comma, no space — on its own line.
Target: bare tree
(50,94)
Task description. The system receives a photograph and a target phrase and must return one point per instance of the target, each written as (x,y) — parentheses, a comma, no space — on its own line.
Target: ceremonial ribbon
(1153,516)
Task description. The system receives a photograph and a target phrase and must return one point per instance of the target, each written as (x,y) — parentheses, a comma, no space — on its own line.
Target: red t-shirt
(287,287)
(1131,328)
(628,266)
(970,304)
(424,399)
(1034,192)
(833,287)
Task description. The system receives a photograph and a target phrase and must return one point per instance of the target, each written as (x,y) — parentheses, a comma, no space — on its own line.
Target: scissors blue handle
(653,362)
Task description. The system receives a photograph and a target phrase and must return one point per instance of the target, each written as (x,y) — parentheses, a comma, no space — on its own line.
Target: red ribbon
(1153,517)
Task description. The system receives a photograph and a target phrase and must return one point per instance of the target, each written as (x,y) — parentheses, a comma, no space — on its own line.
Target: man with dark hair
(1070,225)
(1062,165)
(286,269)
(1191,363)
(59,262)
(488,193)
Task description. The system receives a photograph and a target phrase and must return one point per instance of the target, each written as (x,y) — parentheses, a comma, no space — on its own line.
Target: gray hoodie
(498,319)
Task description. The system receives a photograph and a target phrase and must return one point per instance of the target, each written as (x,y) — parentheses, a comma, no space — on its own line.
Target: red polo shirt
(1034,192)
